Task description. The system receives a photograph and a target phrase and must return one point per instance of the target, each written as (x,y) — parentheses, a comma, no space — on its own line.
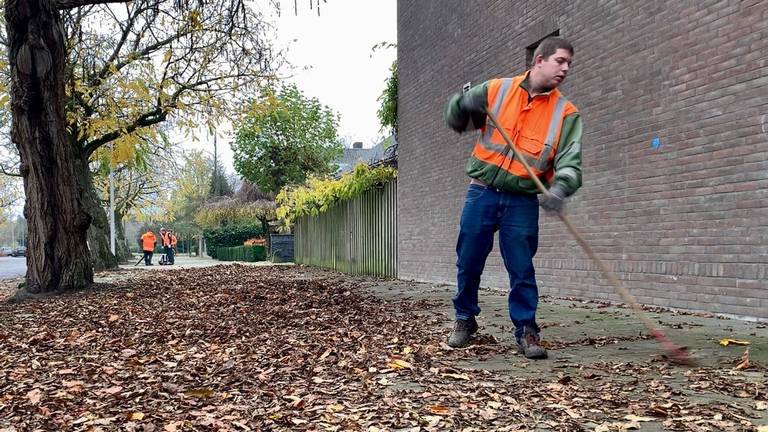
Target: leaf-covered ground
(270,348)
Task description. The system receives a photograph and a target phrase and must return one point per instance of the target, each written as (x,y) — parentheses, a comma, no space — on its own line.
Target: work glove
(554,202)
(473,102)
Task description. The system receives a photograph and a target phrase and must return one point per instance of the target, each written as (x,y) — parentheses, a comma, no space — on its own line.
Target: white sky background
(334,63)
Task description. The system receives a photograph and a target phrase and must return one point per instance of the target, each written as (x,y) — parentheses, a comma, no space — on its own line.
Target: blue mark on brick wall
(655,143)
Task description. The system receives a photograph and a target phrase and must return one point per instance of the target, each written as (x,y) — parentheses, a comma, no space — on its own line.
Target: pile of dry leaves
(255,348)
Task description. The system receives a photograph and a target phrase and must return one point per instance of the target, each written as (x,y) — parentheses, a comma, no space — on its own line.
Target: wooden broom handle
(607,272)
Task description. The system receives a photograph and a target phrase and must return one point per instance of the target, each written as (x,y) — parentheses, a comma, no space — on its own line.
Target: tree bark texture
(98,232)
(123,252)
(57,253)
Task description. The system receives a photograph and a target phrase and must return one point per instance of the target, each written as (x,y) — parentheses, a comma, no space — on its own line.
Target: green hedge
(229,236)
(242,253)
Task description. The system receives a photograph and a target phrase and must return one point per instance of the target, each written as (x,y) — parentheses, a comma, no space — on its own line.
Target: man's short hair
(550,45)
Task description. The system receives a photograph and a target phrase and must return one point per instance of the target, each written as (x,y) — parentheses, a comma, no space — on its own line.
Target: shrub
(318,195)
(229,236)
(242,253)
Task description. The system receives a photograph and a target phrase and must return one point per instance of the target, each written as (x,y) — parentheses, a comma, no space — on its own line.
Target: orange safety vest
(173,240)
(533,127)
(165,239)
(148,241)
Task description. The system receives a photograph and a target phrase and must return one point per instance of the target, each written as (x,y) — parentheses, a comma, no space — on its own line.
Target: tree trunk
(123,253)
(98,232)
(57,253)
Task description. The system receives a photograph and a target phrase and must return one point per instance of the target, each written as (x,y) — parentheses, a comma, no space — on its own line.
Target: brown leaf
(34,396)
(457,376)
(111,390)
(399,364)
(744,361)
(439,410)
(199,392)
(326,354)
(296,401)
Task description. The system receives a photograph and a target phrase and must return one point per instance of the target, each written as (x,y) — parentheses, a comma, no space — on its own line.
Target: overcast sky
(334,62)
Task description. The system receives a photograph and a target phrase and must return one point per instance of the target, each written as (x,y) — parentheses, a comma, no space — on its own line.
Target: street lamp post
(111,210)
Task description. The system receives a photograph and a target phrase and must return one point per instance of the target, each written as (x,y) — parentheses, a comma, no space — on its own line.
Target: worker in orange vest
(546,130)
(174,241)
(148,243)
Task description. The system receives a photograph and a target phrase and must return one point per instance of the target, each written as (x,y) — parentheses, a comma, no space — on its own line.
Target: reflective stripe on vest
(543,162)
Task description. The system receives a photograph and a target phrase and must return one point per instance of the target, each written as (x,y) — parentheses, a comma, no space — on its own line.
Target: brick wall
(684,225)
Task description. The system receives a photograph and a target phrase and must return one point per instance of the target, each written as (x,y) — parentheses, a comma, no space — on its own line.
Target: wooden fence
(358,236)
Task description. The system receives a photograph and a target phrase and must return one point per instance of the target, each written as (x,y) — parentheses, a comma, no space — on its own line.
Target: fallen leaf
(457,376)
(761,405)
(34,396)
(335,408)
(439,409)
(112,390)
(241,424)
(726,342)
(326,354)
(296,401)
(171,427)
(634,418)
(199,392)
(743,361)
(399,364)
(136,416)
(113,318)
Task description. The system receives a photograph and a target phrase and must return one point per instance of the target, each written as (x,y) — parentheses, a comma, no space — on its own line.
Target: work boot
(530,344)
(462,332)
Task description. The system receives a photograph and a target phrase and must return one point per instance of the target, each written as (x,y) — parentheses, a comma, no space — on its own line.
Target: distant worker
(165,241)
(171,250)
(148,243)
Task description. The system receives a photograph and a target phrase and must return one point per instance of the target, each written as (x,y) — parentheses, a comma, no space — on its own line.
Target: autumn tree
(285,137)
(387,112)
(9,191)
(220,185)
(86,73)
(140,185)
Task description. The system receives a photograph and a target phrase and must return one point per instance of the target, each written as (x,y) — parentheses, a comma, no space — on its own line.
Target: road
(11,267)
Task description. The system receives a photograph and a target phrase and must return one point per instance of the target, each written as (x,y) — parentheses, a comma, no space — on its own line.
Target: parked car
(6,250)
(19,251)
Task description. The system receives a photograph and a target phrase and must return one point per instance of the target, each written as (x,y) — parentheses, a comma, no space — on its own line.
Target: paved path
(184,261)
(11,267)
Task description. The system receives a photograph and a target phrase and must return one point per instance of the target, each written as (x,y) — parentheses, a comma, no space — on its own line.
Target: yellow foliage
(232,212)
(318,195)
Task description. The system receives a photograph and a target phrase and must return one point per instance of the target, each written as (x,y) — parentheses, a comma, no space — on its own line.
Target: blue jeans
(516,217)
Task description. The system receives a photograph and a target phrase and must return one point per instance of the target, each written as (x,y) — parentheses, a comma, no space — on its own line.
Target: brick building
(674,97)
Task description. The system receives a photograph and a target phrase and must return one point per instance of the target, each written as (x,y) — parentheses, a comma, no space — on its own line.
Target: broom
(676,354)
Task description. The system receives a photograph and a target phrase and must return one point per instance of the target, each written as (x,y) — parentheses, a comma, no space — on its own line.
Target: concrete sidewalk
(597,345)
(591,332)
(184,261)
(126,271)
(181,261)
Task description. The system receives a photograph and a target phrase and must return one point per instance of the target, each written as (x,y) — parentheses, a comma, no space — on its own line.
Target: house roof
(353,156)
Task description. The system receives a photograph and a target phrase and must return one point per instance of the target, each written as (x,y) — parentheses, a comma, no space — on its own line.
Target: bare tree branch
(9,173)
(71,4)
